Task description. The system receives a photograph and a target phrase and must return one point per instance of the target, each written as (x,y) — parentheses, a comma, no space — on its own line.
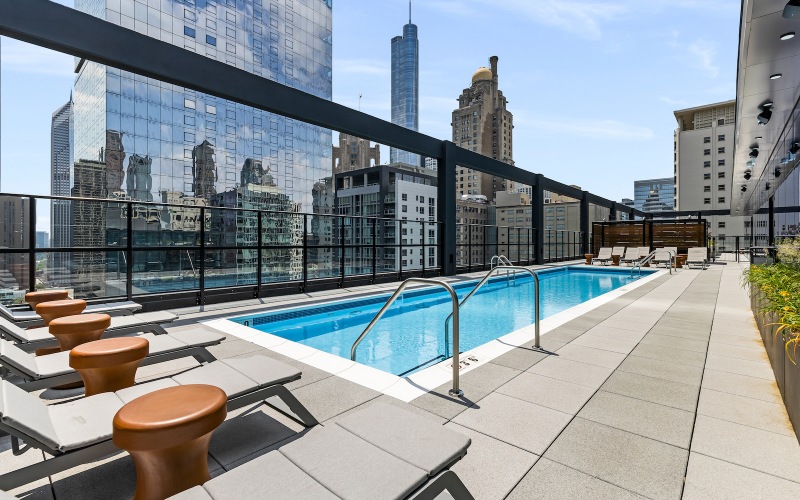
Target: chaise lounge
(603,256)
(27,317)
(697,256)
(51,370)
(381,452)
(79,431)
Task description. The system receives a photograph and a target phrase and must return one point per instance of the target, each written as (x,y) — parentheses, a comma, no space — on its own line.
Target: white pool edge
(413,386)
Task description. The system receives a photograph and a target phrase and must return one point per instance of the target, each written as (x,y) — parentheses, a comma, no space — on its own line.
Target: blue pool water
(410,336)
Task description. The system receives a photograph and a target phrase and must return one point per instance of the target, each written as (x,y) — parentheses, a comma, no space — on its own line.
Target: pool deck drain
(641,397)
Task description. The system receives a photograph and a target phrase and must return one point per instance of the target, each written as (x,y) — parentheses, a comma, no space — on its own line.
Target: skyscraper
(61,137)
(405,87)
(484,125)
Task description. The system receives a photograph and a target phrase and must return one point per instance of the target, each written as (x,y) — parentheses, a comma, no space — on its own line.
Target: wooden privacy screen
(649,233)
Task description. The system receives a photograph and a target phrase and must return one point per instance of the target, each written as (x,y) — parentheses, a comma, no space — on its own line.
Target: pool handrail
(514,269)
(502,260)
(455,391)
(650,257)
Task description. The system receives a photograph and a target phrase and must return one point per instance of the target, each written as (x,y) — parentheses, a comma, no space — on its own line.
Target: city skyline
(544,92)
(405,86)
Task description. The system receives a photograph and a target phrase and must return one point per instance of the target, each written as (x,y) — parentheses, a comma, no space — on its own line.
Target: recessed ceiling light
(787,36)
(767,104)
(759,138)
(775,76)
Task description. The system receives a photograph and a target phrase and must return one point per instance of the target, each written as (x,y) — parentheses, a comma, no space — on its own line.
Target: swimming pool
(410,336)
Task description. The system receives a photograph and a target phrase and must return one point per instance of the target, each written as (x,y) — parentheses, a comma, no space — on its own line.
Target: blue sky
(592,84)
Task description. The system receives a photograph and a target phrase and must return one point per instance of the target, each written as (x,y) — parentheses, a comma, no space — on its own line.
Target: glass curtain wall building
(654,195)
(405,88)
(139,139)
(61,143)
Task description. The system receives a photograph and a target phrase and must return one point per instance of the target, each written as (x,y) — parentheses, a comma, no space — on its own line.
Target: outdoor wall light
(792,10)
(765,115)
(744,188)
(758,138)
(787,36)
(766,188)
(753,152)
(794,148)
(747,175)
(777,171)
(775,76)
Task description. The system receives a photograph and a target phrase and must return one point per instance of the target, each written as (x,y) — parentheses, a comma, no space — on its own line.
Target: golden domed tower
(484,125)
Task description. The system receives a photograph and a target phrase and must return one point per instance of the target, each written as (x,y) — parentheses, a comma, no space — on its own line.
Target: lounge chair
(40,372)
(36,338)
(644,252)
(698,256)
(27,317)
(381,451)
(79,431)
(631,256)
(603,256)
(662,256)
(618,251)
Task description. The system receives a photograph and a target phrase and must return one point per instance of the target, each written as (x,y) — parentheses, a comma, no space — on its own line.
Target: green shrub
(780,283)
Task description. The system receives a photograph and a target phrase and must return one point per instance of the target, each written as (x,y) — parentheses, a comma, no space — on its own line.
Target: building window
(721,187)
(720,150)
(721,163)
(188,31)
(721,175)
(211,40)
(706,140)
(706,164)
(706,189)
(721,137)
(707,201)
(721,199)
(721,122)
(721,225)
(706,152)
(404,196)
(706,176)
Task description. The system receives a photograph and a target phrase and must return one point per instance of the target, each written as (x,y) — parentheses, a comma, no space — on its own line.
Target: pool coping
(415,385)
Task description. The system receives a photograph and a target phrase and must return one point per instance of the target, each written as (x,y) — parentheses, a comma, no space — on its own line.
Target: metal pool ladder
(501,260)
(650,257)
(455,391)
(497,269)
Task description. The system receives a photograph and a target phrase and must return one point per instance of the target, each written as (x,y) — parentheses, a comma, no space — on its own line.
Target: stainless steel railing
(651,256)
(501,260)
(455,391)
(514,269)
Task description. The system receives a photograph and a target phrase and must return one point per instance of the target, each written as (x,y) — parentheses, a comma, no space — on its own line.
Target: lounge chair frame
(61,461)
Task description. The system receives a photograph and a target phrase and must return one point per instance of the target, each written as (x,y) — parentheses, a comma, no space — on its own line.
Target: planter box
(787,374)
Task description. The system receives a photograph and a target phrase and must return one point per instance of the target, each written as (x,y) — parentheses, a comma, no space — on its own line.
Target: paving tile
(768,452)
(310,374)
(233,349)
(666,370)
(614,333)
(440,403)
(748,341)
(113,477)
(624,324)
(520,358)
(484,472)
(639,464)
(606,344)
(662,328)
(674,321)
(522,424)
(549,392)
(675,342)
(663,392)
(756,413)
(9,462)
(742,385)
(662,423)
(564,335)
(681,356)
(550,480)
(488,376)
(710,479)
(571,371)
(731,351)
(590,355)
(331,396)
(760,369)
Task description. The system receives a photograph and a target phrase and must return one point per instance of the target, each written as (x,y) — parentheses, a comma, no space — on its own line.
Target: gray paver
(550,480)
(571,371)
(758,369)
(590,355)
(484,473)
(742,385)
(710,479)
(520,358)
(662,423)
(663,392)
(642,465)
(768,452)
(666,370)
(675,342)
(525,425)
(332,396)
(746,411)
(549,392)
(680,356)
(606,344)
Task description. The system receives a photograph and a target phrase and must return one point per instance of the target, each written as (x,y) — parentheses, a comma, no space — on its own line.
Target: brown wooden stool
(588,257)
(167,433)
(72,331)
(35,298)
(53,309)
(108,365)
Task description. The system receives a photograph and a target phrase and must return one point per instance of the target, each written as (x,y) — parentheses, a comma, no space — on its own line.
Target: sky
(592,84)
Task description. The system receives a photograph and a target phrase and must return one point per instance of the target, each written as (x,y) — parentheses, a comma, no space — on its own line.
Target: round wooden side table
(72,331)
(35,298)
(167,433)
(53,309)
(588,257)
(108,365)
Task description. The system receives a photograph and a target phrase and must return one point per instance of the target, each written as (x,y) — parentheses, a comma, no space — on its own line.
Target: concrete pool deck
(663,392)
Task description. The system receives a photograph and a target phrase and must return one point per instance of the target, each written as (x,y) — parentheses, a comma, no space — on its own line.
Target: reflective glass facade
(405,88)
(654,195)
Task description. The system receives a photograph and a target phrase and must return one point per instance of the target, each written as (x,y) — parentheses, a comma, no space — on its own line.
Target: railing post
(32,244)
(585,222)
(469,247)
(771,221)
(424,257)
(259,256)
(129,253)
(400,251)
(537,219)
(374,247)
(305,252)
(202,255)
(446,211)
(341,250)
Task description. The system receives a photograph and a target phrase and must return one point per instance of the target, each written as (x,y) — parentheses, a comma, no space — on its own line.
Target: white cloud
(705,53)
(361,67)
(592,129)
(26,58)
(672,102)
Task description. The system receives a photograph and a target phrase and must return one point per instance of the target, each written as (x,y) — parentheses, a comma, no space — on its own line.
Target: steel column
(32,244)
(537,219)
(129,253)
(446,211)
(585,222)
(771,221)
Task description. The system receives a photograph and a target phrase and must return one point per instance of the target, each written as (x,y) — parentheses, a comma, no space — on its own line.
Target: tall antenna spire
(409,11)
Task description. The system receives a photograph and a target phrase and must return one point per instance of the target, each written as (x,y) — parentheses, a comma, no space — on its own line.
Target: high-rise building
(484,125)
(61,144)
(654,195)
(354,153)
(704,163)
(405,87)
(176,140)
(14,234)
